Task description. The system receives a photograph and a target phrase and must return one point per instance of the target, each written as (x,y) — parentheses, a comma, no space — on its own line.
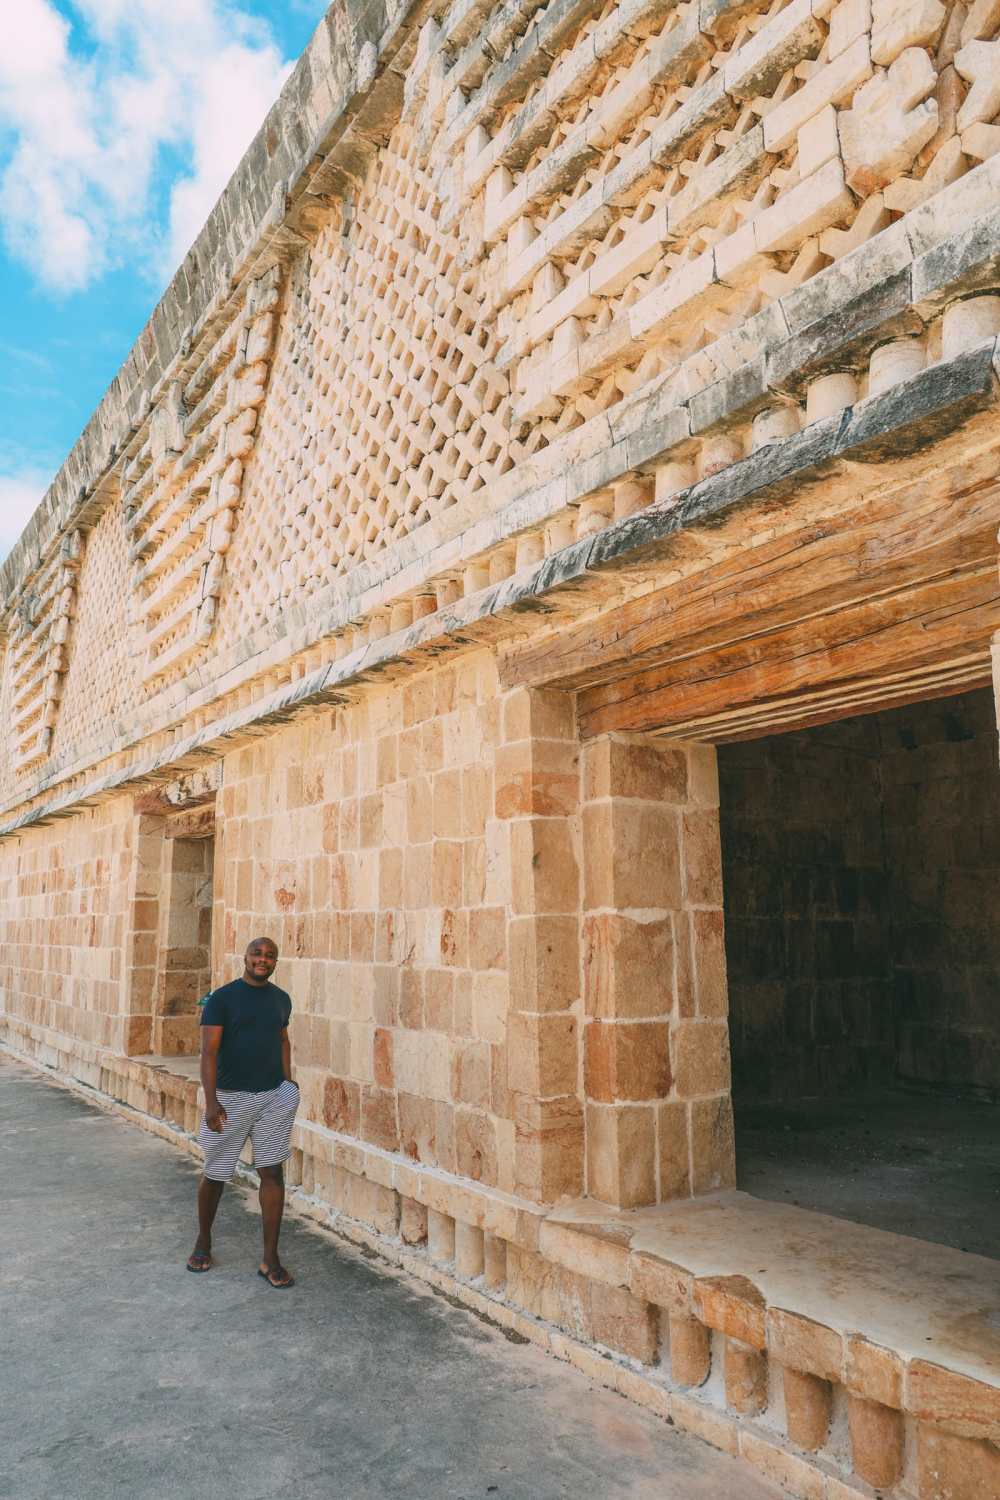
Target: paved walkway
(123,1375)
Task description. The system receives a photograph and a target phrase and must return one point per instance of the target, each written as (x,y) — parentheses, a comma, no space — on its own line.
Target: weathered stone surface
(873,1372)
(733,1306)
(920,410)
(800,1343)
(955,1468)
(690,1350)
(659,1281)
(967,261)
(845,335)
(966,1407)
(746,1378)
(876,1441)
(808,1402)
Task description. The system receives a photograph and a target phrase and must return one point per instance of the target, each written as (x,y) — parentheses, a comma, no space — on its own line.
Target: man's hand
(211,1041)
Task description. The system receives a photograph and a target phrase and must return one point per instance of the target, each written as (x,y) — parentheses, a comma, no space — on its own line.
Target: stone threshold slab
(925,1302)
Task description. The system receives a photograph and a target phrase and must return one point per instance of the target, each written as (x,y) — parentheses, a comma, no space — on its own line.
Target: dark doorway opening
(185,972)
(861,866)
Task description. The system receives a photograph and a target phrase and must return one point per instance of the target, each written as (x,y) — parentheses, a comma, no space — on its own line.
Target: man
(246,1073)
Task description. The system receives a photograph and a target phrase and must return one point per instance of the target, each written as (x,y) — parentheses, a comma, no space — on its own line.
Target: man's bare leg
(209,1196)
(272,1206)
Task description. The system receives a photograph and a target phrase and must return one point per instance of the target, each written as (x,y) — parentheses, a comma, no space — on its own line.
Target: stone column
(537,791)
(656,1048)
(142,934)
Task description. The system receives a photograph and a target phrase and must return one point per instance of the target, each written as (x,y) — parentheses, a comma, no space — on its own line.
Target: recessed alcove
(861,870)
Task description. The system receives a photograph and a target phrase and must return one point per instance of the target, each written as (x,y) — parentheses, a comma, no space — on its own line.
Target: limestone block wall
(506,960)
(939,768)
(184,967)
(656,1054)
(66,907)
(505,955)
(381,846)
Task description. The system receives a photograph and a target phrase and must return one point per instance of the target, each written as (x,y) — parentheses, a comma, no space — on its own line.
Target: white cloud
(19,495)
(91,96)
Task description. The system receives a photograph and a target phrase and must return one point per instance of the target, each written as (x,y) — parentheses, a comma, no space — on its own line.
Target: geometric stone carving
(981,21)
(898,24)
(887,125)
(979,64)
(182,490)
(385,408)
(582,201)
(38,643)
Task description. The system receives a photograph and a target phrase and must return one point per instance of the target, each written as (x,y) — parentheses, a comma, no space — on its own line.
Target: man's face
(260,959)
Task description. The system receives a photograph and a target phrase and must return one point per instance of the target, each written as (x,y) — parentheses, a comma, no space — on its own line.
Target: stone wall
(505,955)
(807,913)
(656,1057)
(367,843)
(184,967)
(862,896)
(66,900)
(942,833)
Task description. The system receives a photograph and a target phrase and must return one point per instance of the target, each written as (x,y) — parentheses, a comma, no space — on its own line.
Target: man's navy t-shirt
(253,1019)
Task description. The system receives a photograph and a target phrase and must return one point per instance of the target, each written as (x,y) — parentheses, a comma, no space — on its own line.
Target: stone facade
(558,392)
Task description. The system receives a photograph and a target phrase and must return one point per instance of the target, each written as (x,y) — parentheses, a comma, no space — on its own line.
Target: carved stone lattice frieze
(386,408)
(38,646)
(565,217)
(183,489)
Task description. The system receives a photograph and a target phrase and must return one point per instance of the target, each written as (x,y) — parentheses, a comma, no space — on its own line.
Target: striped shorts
(267,1118)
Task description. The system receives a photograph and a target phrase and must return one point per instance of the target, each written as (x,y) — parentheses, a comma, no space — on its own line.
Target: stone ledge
(688,1256)
(808,1284)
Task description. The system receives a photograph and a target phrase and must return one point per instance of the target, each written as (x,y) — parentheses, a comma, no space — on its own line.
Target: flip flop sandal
(279,1286)
(199,1261)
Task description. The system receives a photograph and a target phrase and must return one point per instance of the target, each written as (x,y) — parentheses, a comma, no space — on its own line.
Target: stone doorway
(185,948)
(861,871)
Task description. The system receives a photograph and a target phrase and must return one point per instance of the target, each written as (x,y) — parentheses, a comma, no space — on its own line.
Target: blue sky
(120,123)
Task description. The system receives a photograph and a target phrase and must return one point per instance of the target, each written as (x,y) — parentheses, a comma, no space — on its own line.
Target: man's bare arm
(286,1056)
(211,1040)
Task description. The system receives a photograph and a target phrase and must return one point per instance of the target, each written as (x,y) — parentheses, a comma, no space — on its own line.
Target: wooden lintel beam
(826,705)
(911,632)
(822,566)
